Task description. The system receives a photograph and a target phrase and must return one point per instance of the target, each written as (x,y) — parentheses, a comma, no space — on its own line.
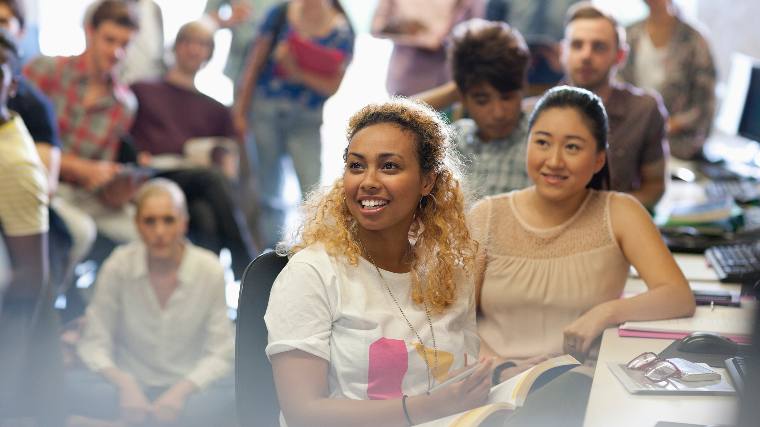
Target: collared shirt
(190,338)
(496,166)
(637,134)
(90,132)
(688,89)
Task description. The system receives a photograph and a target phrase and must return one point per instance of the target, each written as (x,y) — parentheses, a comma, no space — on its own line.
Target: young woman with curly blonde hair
(374,308)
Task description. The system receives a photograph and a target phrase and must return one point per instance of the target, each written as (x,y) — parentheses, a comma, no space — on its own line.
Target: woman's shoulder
(313,254)
(314,258)
(618,198)
(625,210)
(487,203)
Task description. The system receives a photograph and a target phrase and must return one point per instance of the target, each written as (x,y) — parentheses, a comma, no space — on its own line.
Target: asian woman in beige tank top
(555,256)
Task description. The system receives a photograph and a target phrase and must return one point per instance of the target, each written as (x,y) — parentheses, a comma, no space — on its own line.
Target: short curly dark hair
(488,52)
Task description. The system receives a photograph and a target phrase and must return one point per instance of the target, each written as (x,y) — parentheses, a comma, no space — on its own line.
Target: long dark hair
(594,116)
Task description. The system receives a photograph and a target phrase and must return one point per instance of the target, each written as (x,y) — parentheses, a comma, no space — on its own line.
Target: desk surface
(611,405)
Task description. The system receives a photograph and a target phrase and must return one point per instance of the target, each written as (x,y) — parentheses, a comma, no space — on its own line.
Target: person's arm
(380,18)
(301,381)
(51,158)
(29,266)
(218,349)
(696,117)
(653,176)
(87,173)
(95,348)
(668,293)
(255,63)
(24,227)
(440,97)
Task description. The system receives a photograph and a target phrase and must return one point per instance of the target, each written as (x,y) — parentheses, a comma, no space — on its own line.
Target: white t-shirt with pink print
(344,314)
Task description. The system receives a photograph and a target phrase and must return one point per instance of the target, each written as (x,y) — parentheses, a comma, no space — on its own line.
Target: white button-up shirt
(190,338)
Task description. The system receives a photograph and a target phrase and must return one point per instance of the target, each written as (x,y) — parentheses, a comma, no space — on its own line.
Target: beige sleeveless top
(537,281)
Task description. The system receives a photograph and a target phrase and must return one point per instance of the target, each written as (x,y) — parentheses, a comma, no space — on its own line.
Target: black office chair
(255,394)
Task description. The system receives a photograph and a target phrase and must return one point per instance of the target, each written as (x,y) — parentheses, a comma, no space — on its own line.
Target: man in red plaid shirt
(94,110)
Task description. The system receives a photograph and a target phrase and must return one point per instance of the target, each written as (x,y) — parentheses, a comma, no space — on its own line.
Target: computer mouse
(707,342)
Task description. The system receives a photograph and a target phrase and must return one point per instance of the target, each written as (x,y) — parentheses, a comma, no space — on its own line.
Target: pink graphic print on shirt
(388,363)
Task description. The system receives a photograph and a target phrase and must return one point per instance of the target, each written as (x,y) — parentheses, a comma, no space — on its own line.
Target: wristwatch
(496,376)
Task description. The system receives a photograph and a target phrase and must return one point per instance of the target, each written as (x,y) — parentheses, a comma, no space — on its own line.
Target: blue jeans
(88,394)
(280,130)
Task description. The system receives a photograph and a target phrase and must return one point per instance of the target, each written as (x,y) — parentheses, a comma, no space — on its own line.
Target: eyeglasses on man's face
(656,369)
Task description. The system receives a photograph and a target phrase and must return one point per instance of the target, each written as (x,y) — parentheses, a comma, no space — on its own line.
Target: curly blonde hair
(442,242)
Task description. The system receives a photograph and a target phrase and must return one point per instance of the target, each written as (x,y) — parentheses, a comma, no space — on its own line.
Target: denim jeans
(282,129)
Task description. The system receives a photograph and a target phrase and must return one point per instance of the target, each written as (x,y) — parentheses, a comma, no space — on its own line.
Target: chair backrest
(255,394)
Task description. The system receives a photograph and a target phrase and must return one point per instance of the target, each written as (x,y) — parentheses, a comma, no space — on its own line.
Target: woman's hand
(469,393)
(521,367)
(240,119)
(133,403)
(287,62)
(580,335)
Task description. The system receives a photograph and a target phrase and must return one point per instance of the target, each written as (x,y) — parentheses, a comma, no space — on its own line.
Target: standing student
(374,307)
(672,57)
(279,102)
(556,255)
(419,30)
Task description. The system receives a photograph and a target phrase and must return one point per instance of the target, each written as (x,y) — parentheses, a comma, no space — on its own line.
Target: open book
(509,395)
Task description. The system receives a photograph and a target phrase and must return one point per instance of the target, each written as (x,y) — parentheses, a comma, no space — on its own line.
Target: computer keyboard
(743,191)
(737,370)
(739,262)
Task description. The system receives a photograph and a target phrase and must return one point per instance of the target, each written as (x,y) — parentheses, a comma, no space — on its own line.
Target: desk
(611,405)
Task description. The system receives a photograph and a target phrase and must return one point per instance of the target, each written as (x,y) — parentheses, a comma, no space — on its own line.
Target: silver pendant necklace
(400,310)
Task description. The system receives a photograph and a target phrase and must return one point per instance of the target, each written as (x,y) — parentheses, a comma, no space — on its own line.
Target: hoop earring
(423,202)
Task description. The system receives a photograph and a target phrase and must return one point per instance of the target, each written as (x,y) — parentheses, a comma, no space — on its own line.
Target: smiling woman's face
(562,153)
(383,180)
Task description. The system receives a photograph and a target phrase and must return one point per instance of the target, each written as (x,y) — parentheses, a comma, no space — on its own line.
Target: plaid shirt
(89,132)
(496,166)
